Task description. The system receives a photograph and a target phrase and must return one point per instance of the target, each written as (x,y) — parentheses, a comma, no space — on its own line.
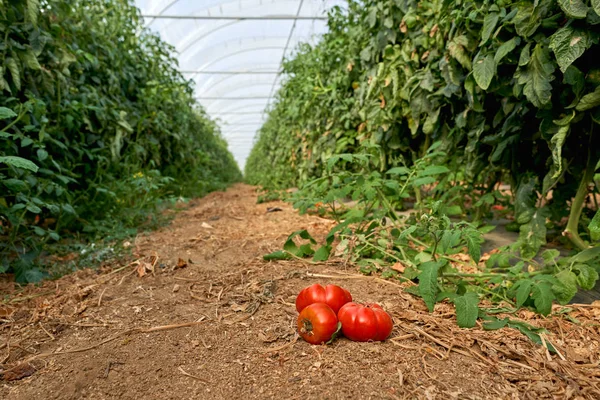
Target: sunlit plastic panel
(235,63)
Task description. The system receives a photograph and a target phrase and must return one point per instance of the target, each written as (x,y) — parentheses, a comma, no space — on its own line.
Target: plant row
(509,90)
(96,127)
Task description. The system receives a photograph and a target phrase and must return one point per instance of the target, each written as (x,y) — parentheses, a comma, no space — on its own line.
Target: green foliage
(372,233)
(510,90)
(96,127)
(505,92)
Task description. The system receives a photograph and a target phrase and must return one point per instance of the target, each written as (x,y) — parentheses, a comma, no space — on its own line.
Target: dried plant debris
(225,327)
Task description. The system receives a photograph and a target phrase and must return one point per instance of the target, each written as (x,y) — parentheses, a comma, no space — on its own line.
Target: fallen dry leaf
(398,266)
(141,268)
(6,311)
(181,263)
(19,372)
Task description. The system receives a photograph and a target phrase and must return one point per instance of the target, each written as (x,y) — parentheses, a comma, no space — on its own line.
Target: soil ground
(201,315)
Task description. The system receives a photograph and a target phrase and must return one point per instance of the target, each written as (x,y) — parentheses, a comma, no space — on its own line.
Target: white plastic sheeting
(235,63)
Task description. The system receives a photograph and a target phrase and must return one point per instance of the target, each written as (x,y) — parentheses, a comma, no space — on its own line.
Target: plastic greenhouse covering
(233,50)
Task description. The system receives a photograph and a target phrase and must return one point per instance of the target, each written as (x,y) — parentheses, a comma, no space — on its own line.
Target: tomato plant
(433,105)
(509,90)
(317,323)
(362,323)
(332,295)
(97,127)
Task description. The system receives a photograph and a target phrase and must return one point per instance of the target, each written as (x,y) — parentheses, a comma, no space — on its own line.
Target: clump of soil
(199,314)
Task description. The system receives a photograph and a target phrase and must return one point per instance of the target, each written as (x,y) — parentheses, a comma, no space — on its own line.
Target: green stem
(506,299)
(388,205)
(435,245)
(382,250)
(494,274)
(420,243)
(572,229)
(21,115)
(418,195)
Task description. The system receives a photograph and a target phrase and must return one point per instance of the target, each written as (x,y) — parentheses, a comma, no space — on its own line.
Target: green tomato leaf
(277,255)
(426,180)
(6,113)
(596,6)
(398,171)
(495,323)
(473,239)
(549,256)
(505,49)
(525,55)
(556,145)
(586,276)
(15,71)
(586,255)
(532,235)
(489,24)
(33,8)
(428,287)
(537,77)
(565,287)
(575,78)
(568,44)
(290,246)
(575,9)
(589,101)
(594,227)
(531,332)
(542,295)
(15,185)
(433,170)
(527,19)
(19,162)
(522,290)
(33,208)
(484,69)
(322,254)
(467,309)
(525,199)
(456,48)
(42,154)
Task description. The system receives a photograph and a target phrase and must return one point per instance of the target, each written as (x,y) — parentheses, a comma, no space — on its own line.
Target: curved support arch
(244,42)
(233,87)
(229,108)
(235,54)
(233,107)
(243,119)
(193,40)
(220,80)
(242,122)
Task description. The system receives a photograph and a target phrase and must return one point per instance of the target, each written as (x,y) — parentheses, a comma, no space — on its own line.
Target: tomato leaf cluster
(97,127)
(509,90)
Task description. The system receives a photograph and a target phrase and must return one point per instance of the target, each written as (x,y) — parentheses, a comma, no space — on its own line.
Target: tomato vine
(97,126)
(433,105)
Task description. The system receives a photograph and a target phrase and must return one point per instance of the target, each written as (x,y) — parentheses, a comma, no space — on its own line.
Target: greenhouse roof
(233,50)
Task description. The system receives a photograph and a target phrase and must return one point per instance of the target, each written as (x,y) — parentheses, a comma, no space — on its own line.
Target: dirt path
(118,335)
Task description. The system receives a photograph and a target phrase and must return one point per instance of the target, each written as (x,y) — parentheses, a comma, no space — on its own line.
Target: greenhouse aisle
(200,314)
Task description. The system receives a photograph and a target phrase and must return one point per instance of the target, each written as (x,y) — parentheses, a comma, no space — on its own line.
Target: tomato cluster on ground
(327,311)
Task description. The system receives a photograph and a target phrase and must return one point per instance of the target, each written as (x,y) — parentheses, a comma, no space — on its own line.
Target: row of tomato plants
(509,89)
(96,127)
(433,105)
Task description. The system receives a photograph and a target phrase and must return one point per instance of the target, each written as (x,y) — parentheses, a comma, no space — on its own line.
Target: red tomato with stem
(362,323)
(332,295)
(317,323)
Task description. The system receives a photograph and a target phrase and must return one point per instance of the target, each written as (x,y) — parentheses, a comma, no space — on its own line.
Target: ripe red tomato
(363,323)
(332,295)
(317,323)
